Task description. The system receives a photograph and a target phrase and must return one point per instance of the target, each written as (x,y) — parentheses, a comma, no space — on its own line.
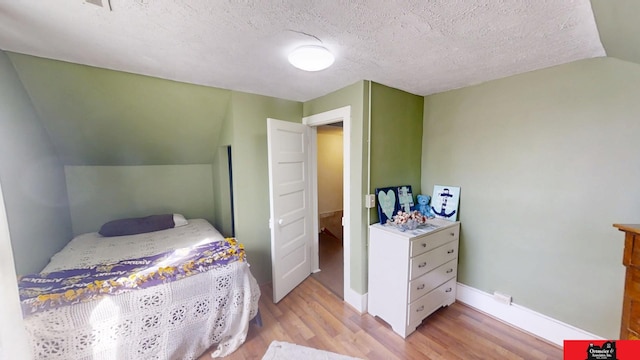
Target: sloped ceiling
(422,47)
(101,117)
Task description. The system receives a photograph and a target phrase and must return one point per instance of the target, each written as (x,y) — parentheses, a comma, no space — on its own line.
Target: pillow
(179,220)
(140,225)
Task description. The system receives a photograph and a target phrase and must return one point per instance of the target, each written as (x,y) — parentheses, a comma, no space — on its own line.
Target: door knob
(280,222)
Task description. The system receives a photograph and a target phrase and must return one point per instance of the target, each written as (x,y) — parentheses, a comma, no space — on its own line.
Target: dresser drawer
(634,320)
(431,241)
(632,288)
(631,255)
(411,273)
(428,261)
(432,279)
(424,306)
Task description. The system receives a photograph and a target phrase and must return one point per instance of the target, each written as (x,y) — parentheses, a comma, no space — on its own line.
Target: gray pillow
(134,226)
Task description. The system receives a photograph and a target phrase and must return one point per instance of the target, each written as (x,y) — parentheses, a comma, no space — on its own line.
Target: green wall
(618,27)
(250,173)
(547,161)
(32,178)
(357,96)
(98,194)
(396,132)
(103,117)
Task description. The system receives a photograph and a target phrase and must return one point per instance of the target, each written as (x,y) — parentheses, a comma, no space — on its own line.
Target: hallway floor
(331,273)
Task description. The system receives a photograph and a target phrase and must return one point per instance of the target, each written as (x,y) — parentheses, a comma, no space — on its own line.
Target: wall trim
(533,322)
(357,301)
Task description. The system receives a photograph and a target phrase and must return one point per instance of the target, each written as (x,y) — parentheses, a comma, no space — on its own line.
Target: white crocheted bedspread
(176,320)
(92,248)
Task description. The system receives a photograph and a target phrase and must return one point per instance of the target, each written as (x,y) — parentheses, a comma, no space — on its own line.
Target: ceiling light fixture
(311,58)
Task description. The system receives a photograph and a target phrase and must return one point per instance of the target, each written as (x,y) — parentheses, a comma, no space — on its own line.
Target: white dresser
(412,273)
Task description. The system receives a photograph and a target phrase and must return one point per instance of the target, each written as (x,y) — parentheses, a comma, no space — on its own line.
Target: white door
(290,202)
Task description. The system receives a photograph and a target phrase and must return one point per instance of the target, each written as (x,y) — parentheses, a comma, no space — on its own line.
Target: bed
(177,319)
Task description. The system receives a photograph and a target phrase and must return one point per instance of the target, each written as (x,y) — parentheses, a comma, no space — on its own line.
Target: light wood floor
(331,257)
(313,316)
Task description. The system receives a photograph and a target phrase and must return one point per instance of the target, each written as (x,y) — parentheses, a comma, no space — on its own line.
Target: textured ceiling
(422,47)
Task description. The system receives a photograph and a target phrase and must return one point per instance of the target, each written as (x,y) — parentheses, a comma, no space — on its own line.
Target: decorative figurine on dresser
(412,270)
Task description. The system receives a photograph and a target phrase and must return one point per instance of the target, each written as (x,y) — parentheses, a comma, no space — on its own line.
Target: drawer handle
(452,234)
(449,271)
(424,245)
(420,308)
(450,251)
(422,265)
(420,287)
(448,290)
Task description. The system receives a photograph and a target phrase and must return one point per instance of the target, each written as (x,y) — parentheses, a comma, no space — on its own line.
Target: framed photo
(444,202)
(388,203)
(392,199)
(405,198)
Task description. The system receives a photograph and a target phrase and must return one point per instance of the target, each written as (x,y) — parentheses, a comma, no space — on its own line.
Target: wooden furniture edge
(634,228)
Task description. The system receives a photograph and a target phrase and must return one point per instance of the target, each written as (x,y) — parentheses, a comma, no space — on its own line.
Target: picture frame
(400,196)
(445,202)
(387,203)
(405,198)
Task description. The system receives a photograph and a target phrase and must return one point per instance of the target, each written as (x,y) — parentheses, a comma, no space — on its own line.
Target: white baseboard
(357,301)
(523,318)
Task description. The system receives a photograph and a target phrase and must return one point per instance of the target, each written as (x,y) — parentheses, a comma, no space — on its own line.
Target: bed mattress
(175,320)
(92,248)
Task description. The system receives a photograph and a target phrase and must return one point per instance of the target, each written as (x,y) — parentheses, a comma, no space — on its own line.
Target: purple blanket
(43,291)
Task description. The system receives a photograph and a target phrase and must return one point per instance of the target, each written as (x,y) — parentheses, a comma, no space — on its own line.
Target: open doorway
(343,115)
(329,179)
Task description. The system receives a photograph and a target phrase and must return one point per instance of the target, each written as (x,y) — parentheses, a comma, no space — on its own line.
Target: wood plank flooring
(331,256)
(313,316)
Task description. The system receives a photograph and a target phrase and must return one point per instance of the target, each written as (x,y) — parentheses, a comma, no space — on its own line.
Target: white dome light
(311,58)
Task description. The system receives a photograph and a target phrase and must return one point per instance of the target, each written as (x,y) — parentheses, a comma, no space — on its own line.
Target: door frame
(343,115)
